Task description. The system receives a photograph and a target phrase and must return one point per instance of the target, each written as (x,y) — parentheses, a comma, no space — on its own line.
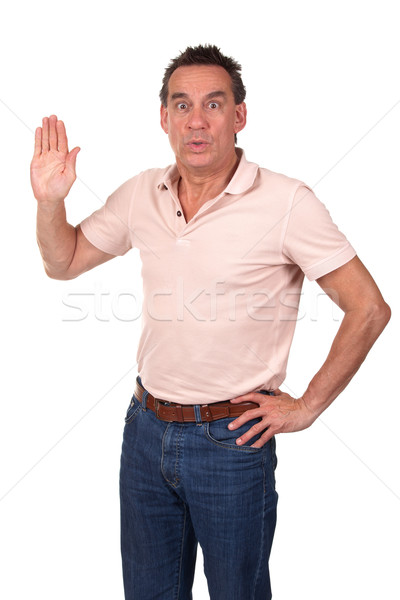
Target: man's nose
(197,119)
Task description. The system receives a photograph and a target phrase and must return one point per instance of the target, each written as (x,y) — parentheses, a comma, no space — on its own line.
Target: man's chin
(197,159)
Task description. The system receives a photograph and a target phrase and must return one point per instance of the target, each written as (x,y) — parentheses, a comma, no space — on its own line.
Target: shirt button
(179,213)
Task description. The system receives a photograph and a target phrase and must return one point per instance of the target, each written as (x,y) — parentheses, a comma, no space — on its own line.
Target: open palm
(52,167)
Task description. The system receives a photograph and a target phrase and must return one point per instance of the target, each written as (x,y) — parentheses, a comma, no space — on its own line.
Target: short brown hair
(205,55)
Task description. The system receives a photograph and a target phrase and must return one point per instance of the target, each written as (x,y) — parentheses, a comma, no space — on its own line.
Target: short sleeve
(312,240)
(110,228)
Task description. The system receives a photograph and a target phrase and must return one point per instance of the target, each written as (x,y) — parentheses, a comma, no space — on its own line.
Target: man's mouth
(197,144)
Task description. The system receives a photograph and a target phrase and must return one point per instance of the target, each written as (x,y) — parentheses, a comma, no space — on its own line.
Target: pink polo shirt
(221,292)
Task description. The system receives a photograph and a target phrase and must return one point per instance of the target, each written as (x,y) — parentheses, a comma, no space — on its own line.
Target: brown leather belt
(183,413)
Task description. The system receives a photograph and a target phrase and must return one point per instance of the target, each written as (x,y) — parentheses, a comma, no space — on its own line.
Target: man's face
(201,118)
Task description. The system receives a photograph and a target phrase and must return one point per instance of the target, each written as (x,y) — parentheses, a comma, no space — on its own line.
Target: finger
(53,133)
(250,397)
(71,159)
(45,134)
(246,416)
(268,435)
(38,142)
(257,429)
(62,137)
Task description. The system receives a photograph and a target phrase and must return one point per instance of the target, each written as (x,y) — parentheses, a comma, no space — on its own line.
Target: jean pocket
(218,433)
(133,410)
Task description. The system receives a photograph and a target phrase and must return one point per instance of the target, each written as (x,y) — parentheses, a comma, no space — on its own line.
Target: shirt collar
(241,181)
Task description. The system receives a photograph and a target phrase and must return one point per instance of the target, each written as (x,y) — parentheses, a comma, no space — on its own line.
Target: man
(225,245)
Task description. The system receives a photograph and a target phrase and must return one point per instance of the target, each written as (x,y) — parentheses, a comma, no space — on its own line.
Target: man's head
(205,55)
(202,108)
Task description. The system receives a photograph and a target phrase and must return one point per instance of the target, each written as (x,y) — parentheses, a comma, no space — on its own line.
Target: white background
(324,106)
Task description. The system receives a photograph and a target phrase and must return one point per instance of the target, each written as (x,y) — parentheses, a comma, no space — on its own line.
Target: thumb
(71,158)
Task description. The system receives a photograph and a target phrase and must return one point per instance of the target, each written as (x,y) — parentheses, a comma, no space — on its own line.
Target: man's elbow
(59,274)
(379,313)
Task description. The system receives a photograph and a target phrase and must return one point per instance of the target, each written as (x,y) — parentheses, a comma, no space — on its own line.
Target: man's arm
(65,251)
(366,315)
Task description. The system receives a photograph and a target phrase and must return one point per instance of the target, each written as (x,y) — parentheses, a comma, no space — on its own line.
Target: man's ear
(241,117)
(164,118)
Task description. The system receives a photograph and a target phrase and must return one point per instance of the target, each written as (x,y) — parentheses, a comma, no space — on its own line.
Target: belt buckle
(176,413)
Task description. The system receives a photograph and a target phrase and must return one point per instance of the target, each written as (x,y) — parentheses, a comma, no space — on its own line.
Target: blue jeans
(187,483)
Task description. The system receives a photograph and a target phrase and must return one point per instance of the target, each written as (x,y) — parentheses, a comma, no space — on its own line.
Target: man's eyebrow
(177,95)
(217,93)
(183,95)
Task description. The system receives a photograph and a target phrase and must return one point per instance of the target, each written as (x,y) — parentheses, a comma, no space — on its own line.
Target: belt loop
(144,399)
(197,414)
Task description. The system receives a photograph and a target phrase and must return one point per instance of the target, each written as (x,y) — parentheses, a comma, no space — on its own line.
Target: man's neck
(195,189)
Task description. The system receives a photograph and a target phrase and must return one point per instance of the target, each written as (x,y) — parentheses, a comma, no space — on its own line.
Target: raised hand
(52,167)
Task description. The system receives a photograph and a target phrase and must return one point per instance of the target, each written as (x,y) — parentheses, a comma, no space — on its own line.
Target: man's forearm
(357,333)
(56,238)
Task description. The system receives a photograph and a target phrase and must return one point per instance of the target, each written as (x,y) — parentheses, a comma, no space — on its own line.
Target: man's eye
(213,105)
(182,106)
